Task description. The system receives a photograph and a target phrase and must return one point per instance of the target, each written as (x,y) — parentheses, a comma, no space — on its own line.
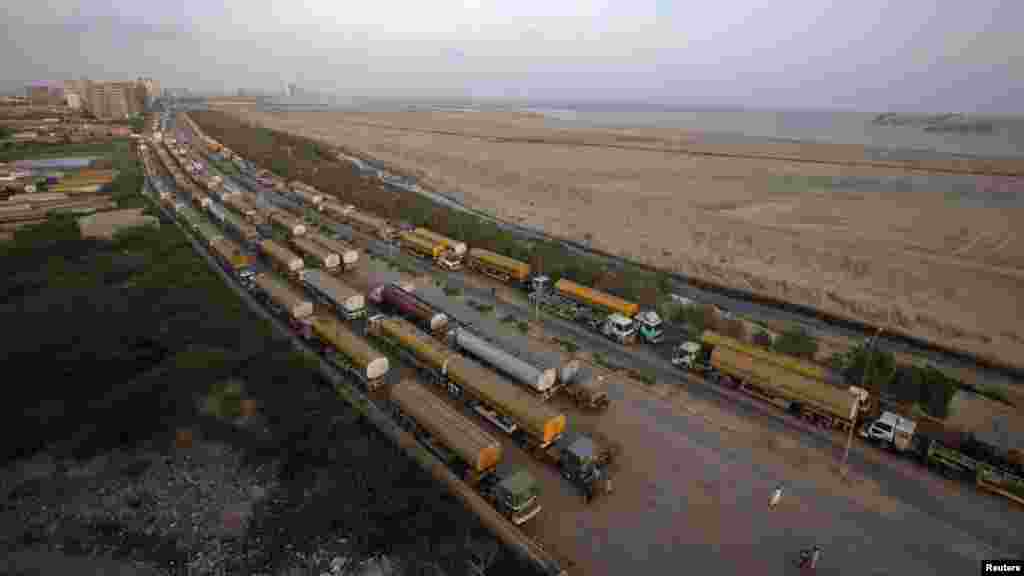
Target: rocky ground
(203,506)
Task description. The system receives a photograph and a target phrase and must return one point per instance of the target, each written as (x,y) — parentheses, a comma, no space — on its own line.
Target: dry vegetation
(757,216)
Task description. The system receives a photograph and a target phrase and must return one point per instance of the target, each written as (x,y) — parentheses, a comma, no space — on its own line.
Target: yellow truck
(812,391)
(498,266)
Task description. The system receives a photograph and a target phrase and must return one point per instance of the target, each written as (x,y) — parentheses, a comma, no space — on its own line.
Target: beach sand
(751,215)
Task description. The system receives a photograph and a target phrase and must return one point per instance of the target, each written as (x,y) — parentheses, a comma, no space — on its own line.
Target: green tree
(797,342)
(881,366)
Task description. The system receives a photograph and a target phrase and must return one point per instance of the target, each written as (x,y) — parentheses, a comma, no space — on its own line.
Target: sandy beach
(933,259)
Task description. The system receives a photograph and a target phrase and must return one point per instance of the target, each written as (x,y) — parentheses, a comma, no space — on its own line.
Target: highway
(692,495)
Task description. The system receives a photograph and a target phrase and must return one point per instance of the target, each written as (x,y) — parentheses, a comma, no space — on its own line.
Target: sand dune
(941,263)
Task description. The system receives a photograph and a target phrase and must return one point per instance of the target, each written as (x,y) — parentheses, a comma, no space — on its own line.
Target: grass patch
(568,345)
(450,290)
(523,326)
(507,319)
(481,307)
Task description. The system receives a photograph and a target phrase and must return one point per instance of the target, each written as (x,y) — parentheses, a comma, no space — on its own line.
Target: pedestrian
(776,496)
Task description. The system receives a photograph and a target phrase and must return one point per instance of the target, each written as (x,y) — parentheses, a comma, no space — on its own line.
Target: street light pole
(856,402)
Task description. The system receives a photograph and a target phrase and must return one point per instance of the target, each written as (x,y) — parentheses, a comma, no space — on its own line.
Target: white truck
(891,430)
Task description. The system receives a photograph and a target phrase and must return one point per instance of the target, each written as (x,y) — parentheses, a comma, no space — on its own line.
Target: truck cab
(892,430)
(514,494)
(619,328)
(449,261)
(688,356)
(540,285)
(578,462)
(651,327)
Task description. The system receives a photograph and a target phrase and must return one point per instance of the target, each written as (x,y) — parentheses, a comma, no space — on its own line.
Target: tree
(797,342)
(881,372)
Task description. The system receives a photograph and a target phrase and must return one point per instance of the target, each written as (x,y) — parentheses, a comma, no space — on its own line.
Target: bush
(797,342)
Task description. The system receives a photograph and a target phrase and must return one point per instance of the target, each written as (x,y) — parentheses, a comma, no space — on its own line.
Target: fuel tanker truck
(346,350)
(498,266)
(468,450)
(604,313)
(527,419)
(293,225)
(306,193)
(283,299)
(541,382)
(451,252)
(344,299)
(812,391)
(362,221)
(391,297)
(349,255)
(316,253)
(282,258)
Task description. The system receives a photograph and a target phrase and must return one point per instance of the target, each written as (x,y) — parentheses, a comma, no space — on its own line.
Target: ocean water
(837,127)
(830,126)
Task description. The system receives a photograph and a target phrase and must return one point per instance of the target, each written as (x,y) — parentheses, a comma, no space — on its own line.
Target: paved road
(991,519)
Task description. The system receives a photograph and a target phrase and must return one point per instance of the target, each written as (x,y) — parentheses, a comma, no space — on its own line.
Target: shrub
(797,342)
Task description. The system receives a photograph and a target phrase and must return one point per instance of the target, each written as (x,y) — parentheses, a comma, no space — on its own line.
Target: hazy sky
(932,55)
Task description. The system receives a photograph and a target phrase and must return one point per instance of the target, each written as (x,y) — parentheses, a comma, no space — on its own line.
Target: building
(115,100)
(73,100)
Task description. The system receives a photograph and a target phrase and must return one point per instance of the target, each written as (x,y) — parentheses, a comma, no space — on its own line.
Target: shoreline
(943,342)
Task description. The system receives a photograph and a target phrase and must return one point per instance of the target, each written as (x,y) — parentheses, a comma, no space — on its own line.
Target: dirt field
(885,250)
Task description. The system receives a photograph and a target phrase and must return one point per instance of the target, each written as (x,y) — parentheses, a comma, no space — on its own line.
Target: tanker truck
(814,392)
(498,266)
(346,350)
(451,252)
(469,451)
(343,299)
(282,299)
(349,255)
(541,382)
(519,414)
(316,253)
(392,297)
(281,258)
(604,313)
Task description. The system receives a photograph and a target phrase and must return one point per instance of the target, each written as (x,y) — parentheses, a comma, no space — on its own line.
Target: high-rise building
(45,94)
(115,100)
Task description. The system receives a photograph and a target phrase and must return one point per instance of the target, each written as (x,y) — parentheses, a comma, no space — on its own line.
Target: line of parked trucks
(815,393)
(818,394)
(513,492)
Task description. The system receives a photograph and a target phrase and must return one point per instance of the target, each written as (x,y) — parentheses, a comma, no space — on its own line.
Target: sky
(871,55)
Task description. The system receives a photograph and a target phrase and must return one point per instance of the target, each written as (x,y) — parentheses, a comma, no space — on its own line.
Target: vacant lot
(935,255)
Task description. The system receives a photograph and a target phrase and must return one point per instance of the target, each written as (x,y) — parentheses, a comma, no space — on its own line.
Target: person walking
(776,496)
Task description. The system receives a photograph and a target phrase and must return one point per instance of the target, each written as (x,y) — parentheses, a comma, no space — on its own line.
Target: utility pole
(856,401)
